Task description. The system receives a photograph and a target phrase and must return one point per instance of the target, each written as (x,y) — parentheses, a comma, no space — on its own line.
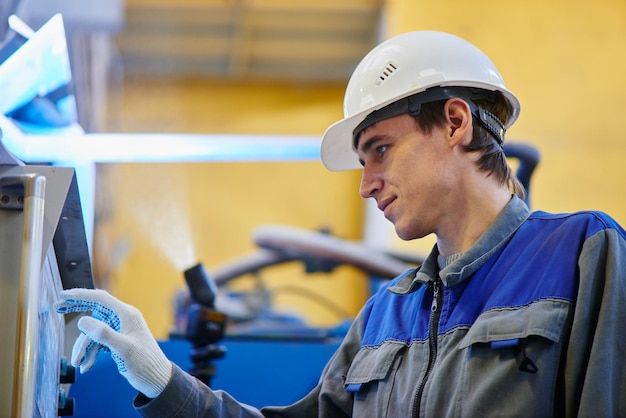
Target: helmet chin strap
(412,105)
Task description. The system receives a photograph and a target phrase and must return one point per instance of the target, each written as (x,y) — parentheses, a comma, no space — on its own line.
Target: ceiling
(259,39)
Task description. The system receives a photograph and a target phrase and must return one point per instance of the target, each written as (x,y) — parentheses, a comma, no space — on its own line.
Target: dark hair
(492,158)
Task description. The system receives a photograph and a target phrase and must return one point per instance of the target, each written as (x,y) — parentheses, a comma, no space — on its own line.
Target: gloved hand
(119,328)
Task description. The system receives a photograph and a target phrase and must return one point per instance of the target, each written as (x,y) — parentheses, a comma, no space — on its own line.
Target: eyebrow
(367,145)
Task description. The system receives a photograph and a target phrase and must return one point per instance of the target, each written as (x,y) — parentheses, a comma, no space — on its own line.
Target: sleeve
(595,370)
(185,396)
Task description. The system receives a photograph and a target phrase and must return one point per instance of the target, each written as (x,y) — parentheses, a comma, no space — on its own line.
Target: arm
(595,371)
(186,396)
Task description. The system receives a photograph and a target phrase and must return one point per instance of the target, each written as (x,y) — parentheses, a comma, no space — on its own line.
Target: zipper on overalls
(433,330)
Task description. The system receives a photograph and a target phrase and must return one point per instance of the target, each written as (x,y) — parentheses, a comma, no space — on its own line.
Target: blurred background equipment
(89,26)
(205,325)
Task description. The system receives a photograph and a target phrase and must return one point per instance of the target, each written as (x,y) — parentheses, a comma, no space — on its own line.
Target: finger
(84,353)
(101,333)
(79,298)
(118,344)
(99,302)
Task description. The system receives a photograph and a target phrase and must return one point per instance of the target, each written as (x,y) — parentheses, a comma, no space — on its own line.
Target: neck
(473,216)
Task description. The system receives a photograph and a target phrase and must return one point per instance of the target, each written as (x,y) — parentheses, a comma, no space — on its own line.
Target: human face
(407,172)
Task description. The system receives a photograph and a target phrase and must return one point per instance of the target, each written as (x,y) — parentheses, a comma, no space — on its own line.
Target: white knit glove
(119,328)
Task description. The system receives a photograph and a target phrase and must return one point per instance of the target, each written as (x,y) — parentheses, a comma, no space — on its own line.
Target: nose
(370,184)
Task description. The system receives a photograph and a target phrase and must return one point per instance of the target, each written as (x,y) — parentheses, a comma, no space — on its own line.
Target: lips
(382,204)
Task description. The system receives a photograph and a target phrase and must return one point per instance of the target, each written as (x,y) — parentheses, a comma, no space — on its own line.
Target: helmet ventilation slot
(390,68)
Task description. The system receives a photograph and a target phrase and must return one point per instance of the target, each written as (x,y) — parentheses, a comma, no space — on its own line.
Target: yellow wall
(564,59)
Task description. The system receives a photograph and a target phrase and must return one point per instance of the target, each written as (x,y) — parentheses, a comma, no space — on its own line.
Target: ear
(458,122)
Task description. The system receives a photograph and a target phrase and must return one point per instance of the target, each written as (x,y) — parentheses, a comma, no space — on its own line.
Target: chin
(405,235)
(409,233)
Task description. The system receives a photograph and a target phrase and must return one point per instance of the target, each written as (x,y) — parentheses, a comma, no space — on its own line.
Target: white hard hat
(403,66)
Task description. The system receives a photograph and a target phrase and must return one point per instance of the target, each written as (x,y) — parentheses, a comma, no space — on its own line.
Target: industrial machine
(43,247)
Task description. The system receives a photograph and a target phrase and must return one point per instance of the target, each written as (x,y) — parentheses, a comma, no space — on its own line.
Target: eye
(380,150)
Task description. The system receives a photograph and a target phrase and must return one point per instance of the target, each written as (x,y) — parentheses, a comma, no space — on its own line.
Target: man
(512,314)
